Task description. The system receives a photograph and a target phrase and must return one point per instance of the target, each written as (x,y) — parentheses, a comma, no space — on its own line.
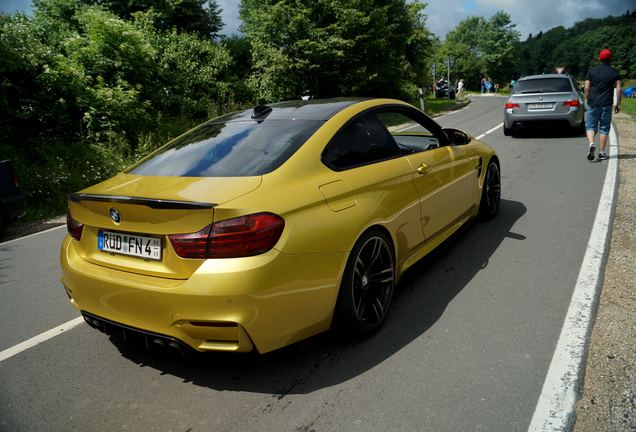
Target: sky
(530,16)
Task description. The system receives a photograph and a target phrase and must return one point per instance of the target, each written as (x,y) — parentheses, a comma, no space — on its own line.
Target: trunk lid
(127,212)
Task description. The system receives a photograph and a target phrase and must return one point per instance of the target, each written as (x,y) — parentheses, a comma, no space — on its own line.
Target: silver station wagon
(544,100)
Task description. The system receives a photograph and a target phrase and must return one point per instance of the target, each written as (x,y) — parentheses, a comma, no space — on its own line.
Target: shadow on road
(325,360)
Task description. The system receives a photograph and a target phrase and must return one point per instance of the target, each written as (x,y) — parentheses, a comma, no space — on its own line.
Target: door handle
(423,169)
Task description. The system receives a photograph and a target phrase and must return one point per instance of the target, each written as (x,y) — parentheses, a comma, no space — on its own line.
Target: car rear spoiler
(148,202)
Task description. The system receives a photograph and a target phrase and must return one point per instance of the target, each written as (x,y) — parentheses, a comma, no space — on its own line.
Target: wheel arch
(493,158)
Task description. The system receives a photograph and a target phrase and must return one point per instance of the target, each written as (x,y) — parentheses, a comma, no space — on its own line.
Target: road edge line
(42,337)
(555,408)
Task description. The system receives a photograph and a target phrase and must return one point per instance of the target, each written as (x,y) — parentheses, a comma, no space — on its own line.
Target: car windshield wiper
(531,91)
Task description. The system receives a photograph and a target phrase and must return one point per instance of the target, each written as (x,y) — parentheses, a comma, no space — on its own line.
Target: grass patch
(628,105)
(435,106)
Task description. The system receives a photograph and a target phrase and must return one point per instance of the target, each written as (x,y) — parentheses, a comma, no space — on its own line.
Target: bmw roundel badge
(114,215)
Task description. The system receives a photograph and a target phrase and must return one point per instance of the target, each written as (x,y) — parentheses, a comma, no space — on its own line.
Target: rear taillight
(511,105)
(574,103)
(193,245)
(74,227)
(238,237)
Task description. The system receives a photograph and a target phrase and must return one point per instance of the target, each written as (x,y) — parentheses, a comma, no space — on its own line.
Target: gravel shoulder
(20,229)
(608,399)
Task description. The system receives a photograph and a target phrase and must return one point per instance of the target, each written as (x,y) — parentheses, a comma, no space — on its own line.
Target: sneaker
(602,156)
(590,155)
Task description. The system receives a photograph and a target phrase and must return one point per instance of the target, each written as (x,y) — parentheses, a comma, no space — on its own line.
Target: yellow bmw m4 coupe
(263,227)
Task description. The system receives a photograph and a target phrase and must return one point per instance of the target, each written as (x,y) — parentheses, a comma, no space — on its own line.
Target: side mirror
(457,137)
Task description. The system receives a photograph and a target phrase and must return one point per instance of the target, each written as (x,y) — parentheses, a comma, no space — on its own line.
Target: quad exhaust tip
(151,341)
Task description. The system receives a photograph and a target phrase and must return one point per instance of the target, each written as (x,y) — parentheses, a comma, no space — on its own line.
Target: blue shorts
(600,117)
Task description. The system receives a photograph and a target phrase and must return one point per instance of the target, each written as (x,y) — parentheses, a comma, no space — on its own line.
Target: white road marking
(450,113)
(30,343)
(31,235)
(555,408)
(410,127)
(489,131)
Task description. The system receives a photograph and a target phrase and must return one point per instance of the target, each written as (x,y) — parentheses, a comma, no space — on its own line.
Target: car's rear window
(543,85)
(230,149)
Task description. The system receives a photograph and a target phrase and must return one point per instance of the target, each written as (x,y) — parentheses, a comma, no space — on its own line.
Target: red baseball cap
(605,54)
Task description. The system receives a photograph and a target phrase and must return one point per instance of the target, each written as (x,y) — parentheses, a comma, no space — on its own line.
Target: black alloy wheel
(491,192)
(367,286)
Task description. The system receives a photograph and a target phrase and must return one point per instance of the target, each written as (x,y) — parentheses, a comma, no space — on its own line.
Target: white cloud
(542,15)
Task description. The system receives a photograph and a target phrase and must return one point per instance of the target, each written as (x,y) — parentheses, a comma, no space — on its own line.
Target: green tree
(202,17)
(240,51)
(192,72)
(335,47)
(483,47)
(463,45)
(83,92)
(500,46)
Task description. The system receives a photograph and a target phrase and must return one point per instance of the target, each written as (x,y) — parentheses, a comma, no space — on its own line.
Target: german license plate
(129,244)
(540,106)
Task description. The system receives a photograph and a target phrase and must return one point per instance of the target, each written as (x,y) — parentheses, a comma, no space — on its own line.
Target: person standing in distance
(460,87)
(599,94)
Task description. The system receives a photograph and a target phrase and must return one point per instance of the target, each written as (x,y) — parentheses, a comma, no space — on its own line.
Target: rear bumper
(573,118)
(238,304)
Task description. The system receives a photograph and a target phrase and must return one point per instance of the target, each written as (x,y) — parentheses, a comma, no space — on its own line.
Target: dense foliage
(84,91)
(481,47)
(328,48)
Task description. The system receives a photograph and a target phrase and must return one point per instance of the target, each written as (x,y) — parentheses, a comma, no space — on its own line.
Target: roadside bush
(83,93)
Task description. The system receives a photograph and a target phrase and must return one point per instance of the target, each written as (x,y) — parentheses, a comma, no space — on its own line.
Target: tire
(367,286)
(490,192)
(507,131)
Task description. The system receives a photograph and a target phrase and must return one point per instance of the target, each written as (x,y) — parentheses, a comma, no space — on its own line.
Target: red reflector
(74,228)
(512,105)
(572,103)
(238,237)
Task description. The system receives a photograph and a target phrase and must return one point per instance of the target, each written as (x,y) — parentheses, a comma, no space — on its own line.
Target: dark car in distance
(12,200)
(442,90)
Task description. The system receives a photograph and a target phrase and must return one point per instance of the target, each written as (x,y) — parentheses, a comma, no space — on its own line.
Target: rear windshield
(543,85)
(230,149)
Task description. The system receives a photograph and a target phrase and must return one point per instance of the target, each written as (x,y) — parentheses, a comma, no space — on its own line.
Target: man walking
(599,94)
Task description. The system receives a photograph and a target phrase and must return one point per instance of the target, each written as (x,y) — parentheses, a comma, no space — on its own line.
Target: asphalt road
(466,347)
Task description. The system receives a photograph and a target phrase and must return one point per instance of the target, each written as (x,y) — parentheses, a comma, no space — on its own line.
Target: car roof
(531,77)
(312,109)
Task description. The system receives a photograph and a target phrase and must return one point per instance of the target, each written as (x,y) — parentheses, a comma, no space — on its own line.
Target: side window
(410,135)
(360,142)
